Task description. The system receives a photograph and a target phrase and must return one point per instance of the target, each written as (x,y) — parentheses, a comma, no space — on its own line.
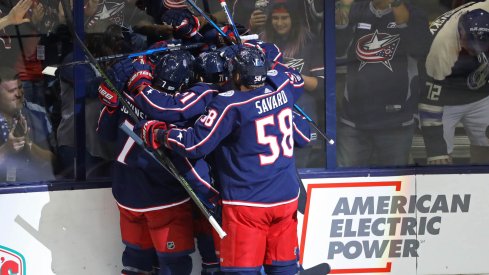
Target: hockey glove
(147,130)
(272,51)
(184,23)
(229,52)
(154,58)
(120,73)
(142,75)
(108,97)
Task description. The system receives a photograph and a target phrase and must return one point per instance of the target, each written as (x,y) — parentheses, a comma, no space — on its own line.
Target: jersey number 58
(283,120)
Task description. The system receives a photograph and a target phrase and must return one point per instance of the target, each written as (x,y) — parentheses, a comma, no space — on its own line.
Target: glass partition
(411,83)
(410,78)
(32,37)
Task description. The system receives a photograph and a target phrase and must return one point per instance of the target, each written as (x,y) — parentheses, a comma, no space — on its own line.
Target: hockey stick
(201,12)
(162,158)
(230,20)
(51,70)
(314,125)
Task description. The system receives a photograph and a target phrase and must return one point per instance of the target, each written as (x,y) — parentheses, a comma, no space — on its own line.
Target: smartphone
(261,5)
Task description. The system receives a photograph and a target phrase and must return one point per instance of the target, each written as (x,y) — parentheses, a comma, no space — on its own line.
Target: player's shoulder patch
(272,73)
(227,94)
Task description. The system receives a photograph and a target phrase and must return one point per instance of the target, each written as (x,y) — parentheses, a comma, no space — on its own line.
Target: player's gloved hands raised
(108,97)
(272,51)
(147,130)
(184,23)
(229,52)
(141,75)
(129,74)
(155,57)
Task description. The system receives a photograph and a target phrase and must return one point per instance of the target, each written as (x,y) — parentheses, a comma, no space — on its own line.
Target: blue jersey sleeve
(197,173)
(273,54)
(178,107)
(212,127)
(282,75)
(302,130)
(107,126)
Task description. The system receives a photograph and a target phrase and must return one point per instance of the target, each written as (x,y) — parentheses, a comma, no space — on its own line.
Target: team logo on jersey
(272,73)
(228,93)
(377,48)
(296,64)
(11,262)
(392,25)
(170,245)
(108,11)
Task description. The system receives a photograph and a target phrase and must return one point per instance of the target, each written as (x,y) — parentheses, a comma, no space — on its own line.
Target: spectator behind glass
(377,123)
(143,19)
(286,28)
(455,89)
(19,47)
(98,152)
(25,134)
(16,14)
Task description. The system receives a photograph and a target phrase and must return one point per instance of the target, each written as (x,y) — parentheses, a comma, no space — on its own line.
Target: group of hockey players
(223,114)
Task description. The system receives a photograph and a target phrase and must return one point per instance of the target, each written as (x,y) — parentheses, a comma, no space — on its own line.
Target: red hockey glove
(142,75)
(148,132)
(108,97)
(184,23)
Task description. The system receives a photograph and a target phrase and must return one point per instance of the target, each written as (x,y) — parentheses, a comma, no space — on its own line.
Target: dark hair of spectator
(299,33)
(7,73)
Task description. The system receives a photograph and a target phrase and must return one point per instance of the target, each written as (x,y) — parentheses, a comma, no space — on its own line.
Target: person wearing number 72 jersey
(251,133)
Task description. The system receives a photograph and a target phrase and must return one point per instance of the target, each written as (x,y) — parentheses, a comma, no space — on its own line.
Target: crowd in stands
(385,46)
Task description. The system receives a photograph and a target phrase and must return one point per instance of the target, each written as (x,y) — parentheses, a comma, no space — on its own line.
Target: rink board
(414,224)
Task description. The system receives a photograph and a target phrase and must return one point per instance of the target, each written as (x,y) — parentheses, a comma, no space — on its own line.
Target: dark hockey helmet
(174,71)
(212,67)
(251,64)
(474,29)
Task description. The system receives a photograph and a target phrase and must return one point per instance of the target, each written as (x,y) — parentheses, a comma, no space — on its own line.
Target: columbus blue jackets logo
(377,48)
(294,63)
(108,11)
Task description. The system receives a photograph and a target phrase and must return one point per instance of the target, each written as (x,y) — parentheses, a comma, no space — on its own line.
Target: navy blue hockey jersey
(180,108)
(251,135)
(377,91)
(139,182)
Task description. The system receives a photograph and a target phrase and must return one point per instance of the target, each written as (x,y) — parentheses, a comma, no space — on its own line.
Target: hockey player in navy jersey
(155,210)
(169,98)
(164,99)
(455,90)
(250,132)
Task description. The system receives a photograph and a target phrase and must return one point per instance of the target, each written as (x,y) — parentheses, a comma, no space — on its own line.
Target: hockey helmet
(174,71)
(212,67)
(251,64)
(474,28)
